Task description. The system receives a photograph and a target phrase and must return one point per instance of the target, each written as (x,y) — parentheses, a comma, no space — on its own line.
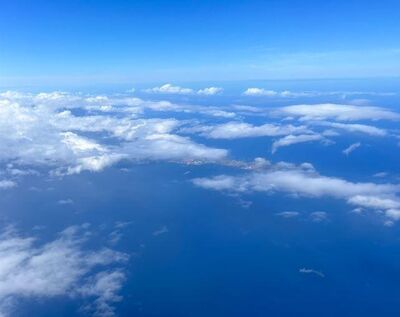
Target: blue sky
(89,42)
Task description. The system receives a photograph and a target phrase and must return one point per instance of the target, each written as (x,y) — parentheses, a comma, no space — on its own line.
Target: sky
(199,158)
(89,42)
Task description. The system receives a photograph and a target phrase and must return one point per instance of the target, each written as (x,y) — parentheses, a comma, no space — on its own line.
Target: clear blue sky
(140,41)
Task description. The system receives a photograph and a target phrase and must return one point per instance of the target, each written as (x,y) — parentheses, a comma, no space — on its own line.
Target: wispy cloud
(337,112)
(311,271)
(295,139)
(351,148)
(62,267)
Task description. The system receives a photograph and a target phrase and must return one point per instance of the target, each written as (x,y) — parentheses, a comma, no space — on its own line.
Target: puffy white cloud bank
(73,133)
(77,132)
(62,267)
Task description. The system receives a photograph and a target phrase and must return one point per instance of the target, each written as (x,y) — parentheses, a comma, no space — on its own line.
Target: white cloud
(43,130)
(337,112)
(351,148)
(306,182)
(172,147)
(170,89)
(210,91)
(260,92)
(273,93)
(318,216)
(295,139)
(380,174)
(177,90)
(62,267)
(162,230)
(393,214)
(7,184)
(80,144)
(288,214)
(104,287)
(237,130)
(67,201)
(374,202)
(354,127)
(311,271)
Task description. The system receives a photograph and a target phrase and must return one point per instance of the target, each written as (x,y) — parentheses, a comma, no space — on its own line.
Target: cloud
(273,93)
(162,230)
(319,216)
(353,127)
(297,94)
(380,174)
(104,287)
(62,267)
(172,147)
(237,130)
(288,214)
(351,148)
(295,139)
(67,201)
(170,89)
(311,271)
(260,92)
(177,90)
(210,91)
(374,202)
(337,112)
(304,181)
(45,129)
(7,184)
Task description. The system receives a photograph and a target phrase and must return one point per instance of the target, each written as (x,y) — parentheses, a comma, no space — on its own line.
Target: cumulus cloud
(304,181)
(351,148)
(337,112)
(44,129)
(62,267)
